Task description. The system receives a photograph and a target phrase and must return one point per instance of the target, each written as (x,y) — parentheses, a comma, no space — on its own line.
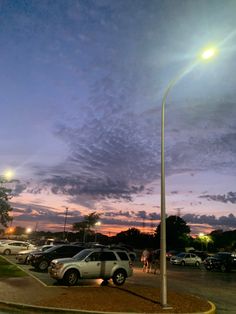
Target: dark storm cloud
(39,213)
(221,222)
(230,197)
(120,213)
(95,187)
(202,137)
(16,187)
(117,154)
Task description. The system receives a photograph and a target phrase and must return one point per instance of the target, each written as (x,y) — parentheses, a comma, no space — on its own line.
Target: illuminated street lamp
(98,223)
(204,56)
(28,230)
(8,174)
(204,239)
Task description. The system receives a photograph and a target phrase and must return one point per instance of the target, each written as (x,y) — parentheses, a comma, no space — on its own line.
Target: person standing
(146,260)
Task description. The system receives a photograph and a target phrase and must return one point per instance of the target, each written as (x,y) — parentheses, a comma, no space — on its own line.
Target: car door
(108,262)
(187,258)
(91,266)
(98,265)
(192,259)
(16,247)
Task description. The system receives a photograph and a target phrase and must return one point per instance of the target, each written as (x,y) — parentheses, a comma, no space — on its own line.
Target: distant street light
(8,174)
(205,55)
(98,223)
(204,239)
(201,238)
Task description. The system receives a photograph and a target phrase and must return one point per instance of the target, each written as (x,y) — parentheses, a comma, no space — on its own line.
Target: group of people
(150,260)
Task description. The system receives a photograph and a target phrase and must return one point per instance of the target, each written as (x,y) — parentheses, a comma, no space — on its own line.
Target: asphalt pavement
(220,288)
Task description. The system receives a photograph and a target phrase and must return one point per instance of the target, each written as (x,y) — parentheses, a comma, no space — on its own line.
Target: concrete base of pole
(166,307)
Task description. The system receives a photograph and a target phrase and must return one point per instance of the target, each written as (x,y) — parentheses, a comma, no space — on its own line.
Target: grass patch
(9,270)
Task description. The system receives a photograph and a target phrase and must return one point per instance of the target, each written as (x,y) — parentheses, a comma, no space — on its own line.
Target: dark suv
(223,261)
(41,260)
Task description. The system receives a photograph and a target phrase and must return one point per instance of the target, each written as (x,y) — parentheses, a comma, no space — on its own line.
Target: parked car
(223,261)
(22,256)
(129,250)
(91,264)
(13,247)
(171,253)
(186,259)
(41,260)
(202,254)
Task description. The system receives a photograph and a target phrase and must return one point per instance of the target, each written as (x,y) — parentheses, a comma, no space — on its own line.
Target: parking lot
(216,286)
(45,279)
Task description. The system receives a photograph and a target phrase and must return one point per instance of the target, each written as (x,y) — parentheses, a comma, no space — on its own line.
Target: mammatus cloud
(230,197)
(96,188)
(117,154)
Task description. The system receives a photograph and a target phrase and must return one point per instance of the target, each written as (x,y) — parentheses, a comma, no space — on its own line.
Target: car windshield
(222,255)
(181,255)
(82,254)
(51,249)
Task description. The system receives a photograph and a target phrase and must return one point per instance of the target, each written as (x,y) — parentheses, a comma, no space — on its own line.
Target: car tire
(197,264)
(182,263)
(119,277)
(7,252)
(223,268)
(208,267)
(71,277)
(43,265)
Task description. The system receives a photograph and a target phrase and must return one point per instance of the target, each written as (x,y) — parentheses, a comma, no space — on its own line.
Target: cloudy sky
(82,83)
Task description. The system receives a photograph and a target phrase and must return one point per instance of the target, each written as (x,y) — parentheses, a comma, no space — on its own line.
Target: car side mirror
(87,259)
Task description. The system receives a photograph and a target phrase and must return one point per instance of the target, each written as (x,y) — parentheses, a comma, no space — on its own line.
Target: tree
(5,207)
(86,224)
(177,232)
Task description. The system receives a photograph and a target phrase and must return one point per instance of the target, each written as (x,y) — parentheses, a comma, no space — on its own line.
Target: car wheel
(43,265)
(223,268)
(182,263)
(119,277)
(208,267)
(7,252)
(197,264)
(71,277)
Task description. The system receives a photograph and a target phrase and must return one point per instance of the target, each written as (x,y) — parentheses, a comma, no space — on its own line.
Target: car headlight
(58,266)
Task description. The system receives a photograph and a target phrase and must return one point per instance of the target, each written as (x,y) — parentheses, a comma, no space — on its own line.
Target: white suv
(92,264)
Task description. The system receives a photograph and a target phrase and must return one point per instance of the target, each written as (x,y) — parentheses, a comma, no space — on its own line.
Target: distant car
(223,261)
(91,264)
(186,259)
(171,253)
(22,256)
(41,260)
(13,247)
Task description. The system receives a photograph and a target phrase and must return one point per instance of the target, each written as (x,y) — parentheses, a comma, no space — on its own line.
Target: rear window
(123,256)
(108,256)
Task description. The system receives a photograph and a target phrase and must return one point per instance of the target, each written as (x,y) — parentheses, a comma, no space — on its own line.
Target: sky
(82,84)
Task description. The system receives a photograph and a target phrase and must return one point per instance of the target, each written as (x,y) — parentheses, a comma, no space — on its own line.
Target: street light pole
(163,202)
(64,231)
(207,54)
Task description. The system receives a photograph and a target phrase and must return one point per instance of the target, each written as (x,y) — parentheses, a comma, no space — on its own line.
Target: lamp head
(208,53)
(8,174)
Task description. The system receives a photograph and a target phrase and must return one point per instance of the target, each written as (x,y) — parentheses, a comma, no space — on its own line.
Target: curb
(43,309)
